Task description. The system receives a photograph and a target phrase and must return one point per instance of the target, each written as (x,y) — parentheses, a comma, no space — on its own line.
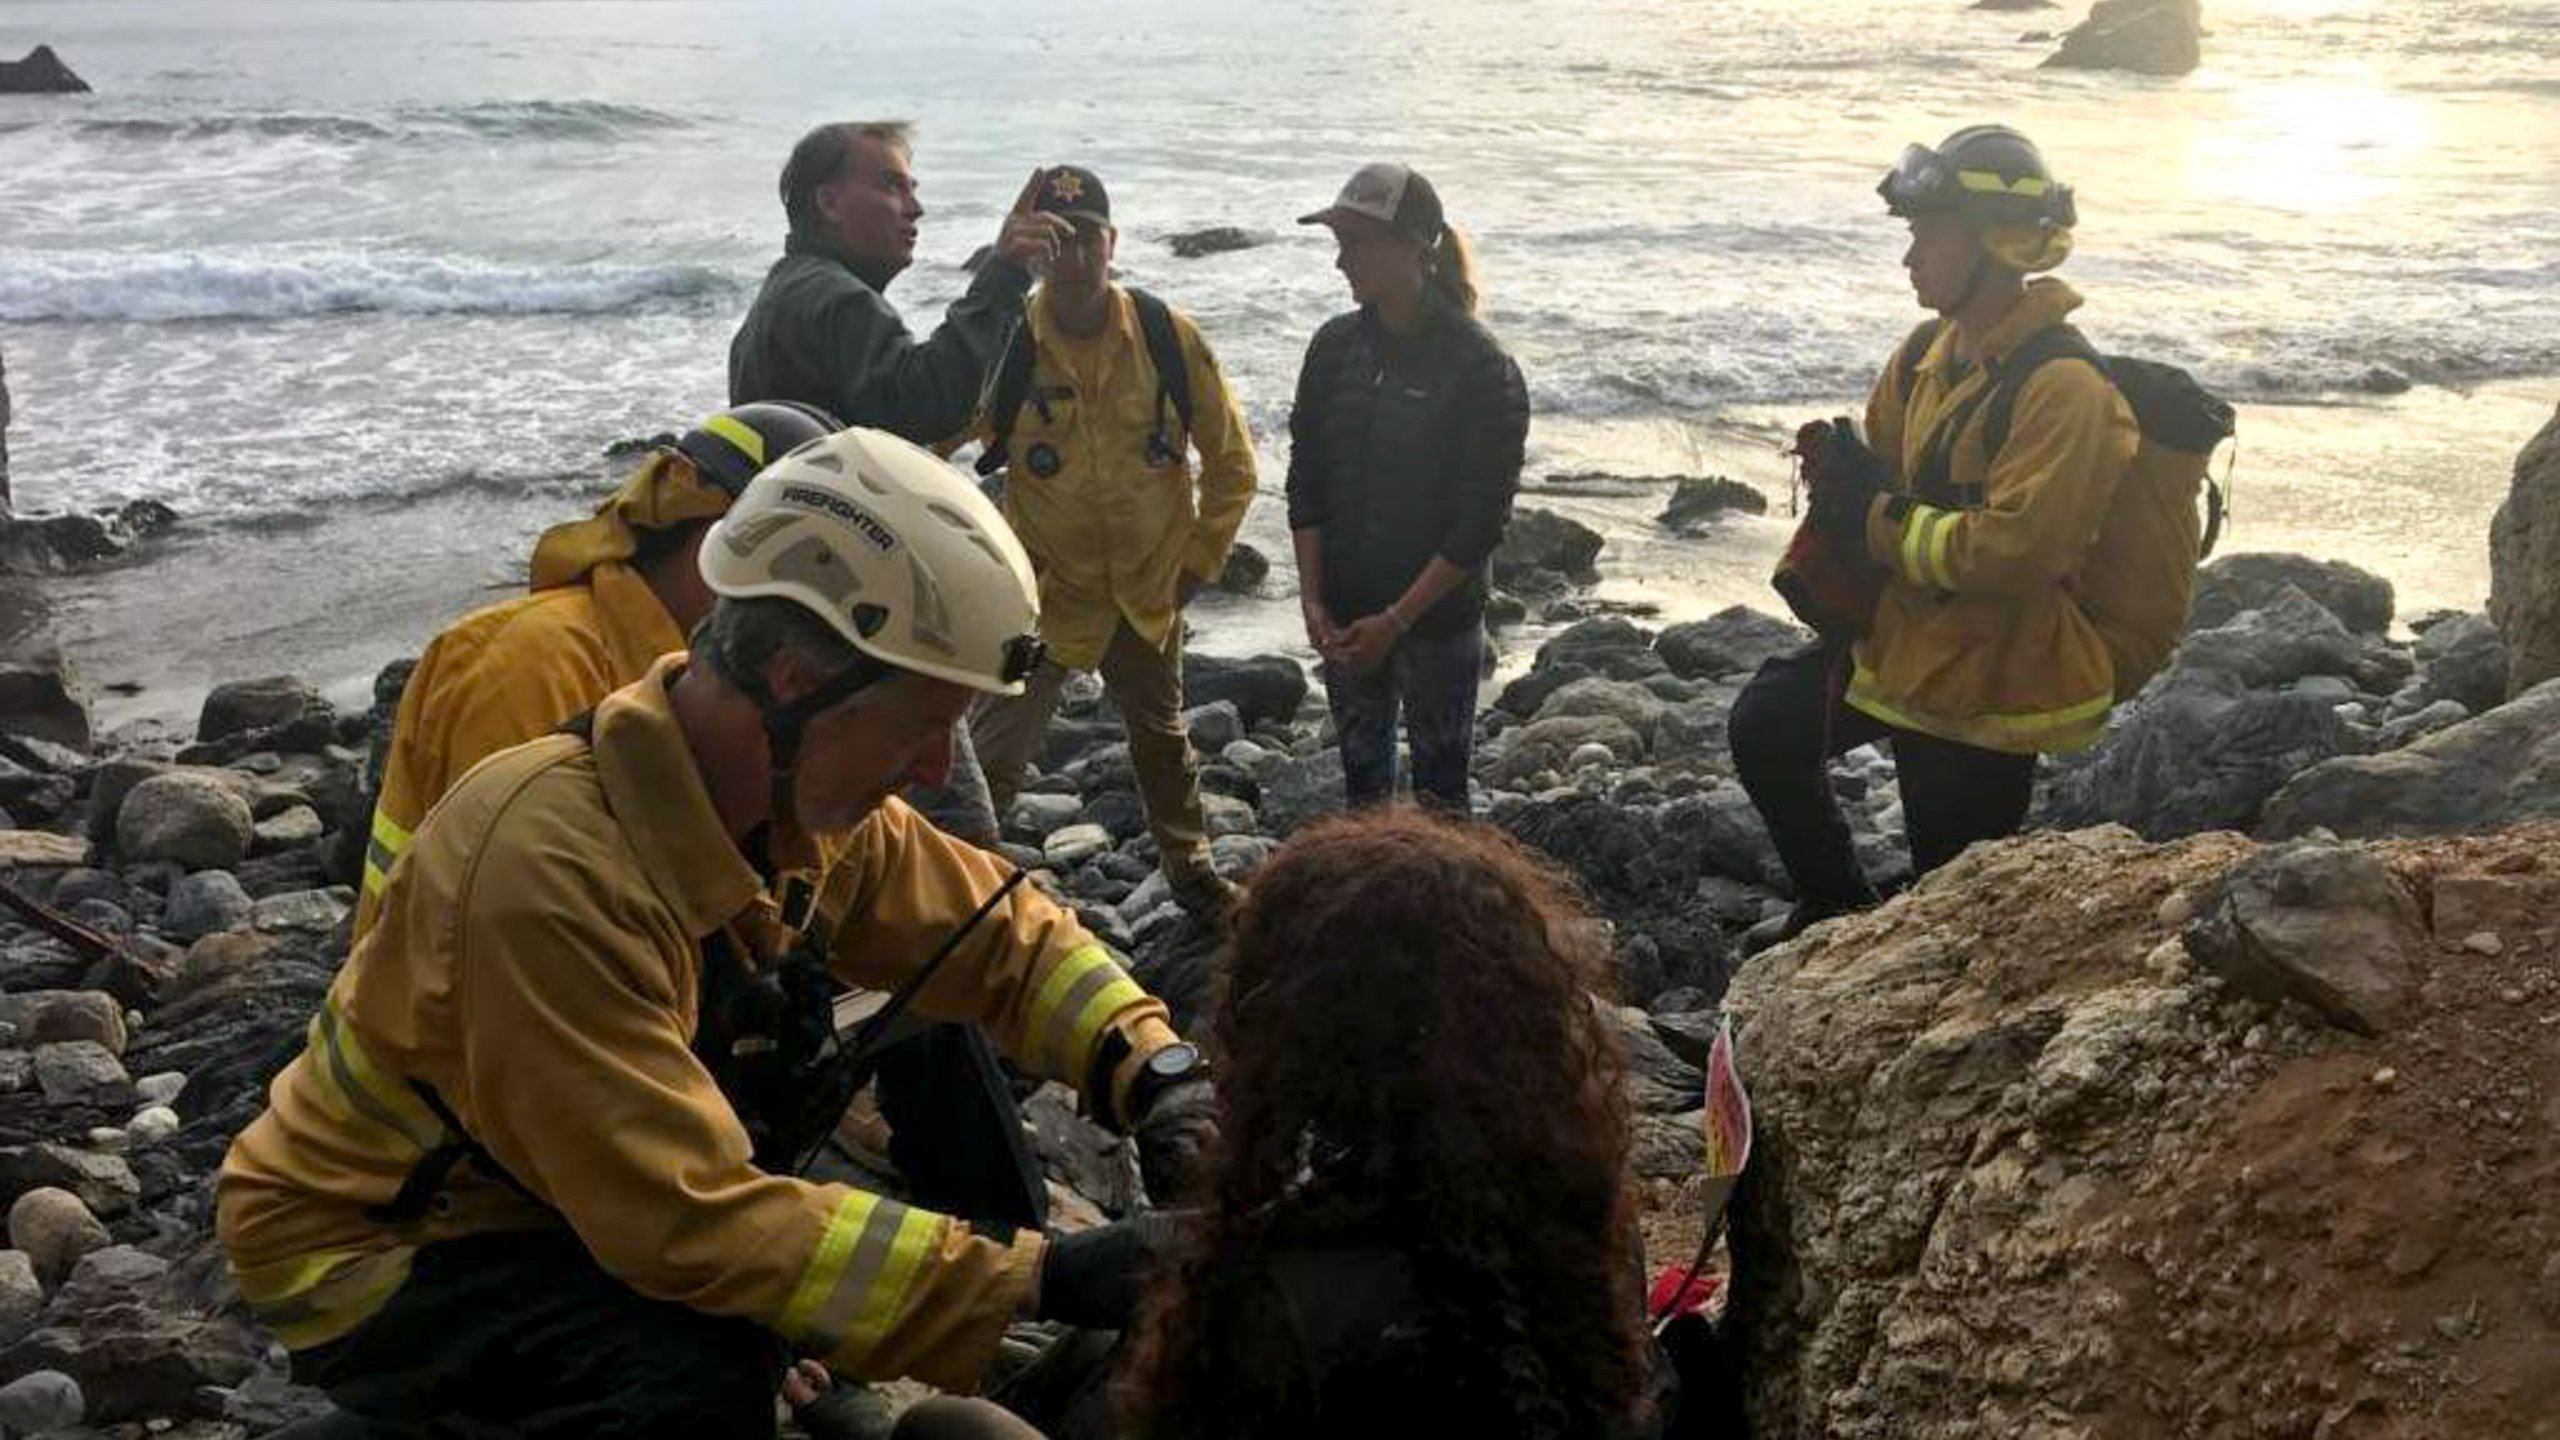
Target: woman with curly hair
(1421,1219)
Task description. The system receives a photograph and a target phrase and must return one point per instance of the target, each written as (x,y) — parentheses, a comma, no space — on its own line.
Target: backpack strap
(1009,382)
(2054,342)
(1906,360)
(1008,385)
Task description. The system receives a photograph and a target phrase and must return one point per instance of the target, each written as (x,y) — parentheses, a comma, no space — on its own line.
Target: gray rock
(1609,645)
(1539,540)
(2524,564)
(2482,774)
(45,1016)
(1033,816)
(288,829)
(207,902)
(2362,600)
(2320,923)
(2147,37)
(1669,1147)
(2327,689)
(151,1125)
(82,1072)
(1075,844)
(162,1088)
(1700,501)
(41,73)
(2421,723)
(2283,641)
(185,817)
(40,697)
(21,1298)
(2464,659)
(316,911)
(2194,751)
(1226,815)
(104,1183)
(1245,570)
(54,1229)
(1542,745)
(1298,790)
(263,704)
(1214,726)
(1638,708)
(1732,641)
(1266,689)
(17,1072)
(1215,240)
(44,1401)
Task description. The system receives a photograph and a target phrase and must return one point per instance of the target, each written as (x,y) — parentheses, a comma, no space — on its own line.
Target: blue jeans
(1432,680)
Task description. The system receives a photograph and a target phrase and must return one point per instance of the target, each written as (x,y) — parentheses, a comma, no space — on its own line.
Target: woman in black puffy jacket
(1405,450)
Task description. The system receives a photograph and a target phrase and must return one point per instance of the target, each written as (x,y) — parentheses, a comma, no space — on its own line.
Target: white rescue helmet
(896,550)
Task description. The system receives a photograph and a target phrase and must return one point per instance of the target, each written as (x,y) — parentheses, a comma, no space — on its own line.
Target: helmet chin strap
(784,723)
(1973,281)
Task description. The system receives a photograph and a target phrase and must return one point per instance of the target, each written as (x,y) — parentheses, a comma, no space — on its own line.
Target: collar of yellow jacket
(1123,328)
(664,810)
(2047,302)
(662,494)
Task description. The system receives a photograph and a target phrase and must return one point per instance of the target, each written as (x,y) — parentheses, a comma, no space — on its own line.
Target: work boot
(1204,894)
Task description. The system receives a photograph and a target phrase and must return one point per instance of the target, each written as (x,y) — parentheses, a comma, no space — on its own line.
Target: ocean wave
(555,120)
(45,285)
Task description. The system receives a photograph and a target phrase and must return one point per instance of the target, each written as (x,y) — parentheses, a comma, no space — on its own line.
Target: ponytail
(1449,270)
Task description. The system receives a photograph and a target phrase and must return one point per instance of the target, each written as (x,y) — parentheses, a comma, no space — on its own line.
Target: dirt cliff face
(2027,1166)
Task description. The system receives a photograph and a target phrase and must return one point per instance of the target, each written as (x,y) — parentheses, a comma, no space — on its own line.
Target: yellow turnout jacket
(536,961)
(1979,636)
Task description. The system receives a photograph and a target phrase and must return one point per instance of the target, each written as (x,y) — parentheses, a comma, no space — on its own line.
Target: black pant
(1788,723)
(525,1336)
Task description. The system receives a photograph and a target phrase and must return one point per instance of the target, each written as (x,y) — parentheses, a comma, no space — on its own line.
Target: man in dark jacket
(822,333)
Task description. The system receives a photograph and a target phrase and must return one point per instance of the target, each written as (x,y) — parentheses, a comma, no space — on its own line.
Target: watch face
(1044,459)
(1174,1061)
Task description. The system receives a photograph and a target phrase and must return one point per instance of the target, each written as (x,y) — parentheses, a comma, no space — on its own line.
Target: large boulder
(40,696)
(1214,240)
(1537,540)
(1734,640)
(2022,1168)
(2195,751)
(185,817)
(2360,599)
(2463,659)
(41,73)
(1266,689)
(54,1228)
(2524,564)
(2284,640)
(1697,502)
(2483,774)
(264,704)
(115,1329)
(1300,789)
(2148,37)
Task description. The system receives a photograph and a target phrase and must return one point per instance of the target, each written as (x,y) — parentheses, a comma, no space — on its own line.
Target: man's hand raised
(1030,238)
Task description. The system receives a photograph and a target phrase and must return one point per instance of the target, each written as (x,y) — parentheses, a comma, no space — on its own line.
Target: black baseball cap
(1394,194)
(1074,192)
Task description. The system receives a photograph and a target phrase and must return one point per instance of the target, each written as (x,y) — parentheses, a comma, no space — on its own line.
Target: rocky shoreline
(177,910)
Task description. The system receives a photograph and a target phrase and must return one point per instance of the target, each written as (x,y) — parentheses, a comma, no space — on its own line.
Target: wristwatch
(1161,1071)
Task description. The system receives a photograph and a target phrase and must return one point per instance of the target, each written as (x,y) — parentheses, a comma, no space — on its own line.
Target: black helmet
(1990,175)
(730,447)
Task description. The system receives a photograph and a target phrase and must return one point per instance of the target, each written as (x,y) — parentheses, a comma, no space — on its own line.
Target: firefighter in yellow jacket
(534,1168)
(608,596)
(1980,656)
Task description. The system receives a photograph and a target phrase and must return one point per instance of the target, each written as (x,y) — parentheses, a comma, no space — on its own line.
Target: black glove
(1845,485)
(1092,1278)
(1178,1126)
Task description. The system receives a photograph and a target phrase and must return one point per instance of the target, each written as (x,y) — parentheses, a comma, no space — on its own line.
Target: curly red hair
(1408,994)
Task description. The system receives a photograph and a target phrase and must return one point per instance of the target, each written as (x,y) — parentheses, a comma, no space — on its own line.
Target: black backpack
(2171,409)
(1010,384)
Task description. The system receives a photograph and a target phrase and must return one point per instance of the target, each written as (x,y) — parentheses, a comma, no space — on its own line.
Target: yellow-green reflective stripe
(826,1262)
(877,1285)
(324,1296)
(390,842)
(1063,995)
(2023,725)
(1908,553)
(856,1285)
(739,433)
(1990,181)
(289,1277)
(1121,993)
(360,1082)
(1942,535)
(1924,538)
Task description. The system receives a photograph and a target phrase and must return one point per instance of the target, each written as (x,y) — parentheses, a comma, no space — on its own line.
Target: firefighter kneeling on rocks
(536,1166)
